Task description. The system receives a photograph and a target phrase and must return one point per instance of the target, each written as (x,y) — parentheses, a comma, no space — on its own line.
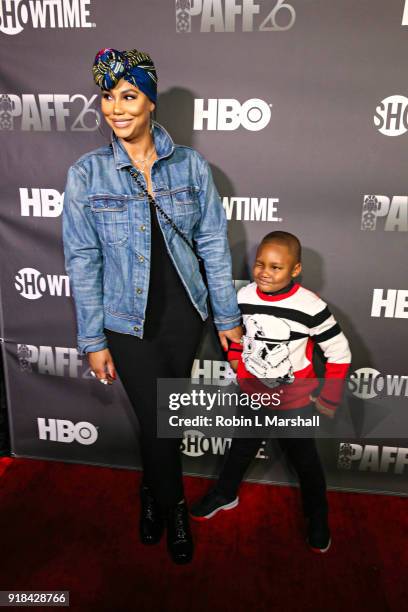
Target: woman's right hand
(102,365)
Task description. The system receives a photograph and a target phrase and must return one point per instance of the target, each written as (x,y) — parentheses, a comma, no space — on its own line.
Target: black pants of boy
(302,454)
(166,353)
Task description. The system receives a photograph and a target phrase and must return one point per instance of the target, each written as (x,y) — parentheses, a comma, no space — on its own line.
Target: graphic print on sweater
(266,349)
(280,333)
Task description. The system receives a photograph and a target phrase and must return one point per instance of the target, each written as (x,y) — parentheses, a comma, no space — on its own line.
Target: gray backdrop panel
(319,155)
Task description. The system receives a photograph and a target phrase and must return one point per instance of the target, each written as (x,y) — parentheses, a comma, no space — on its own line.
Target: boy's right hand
(321,408)
(234,364)
(102,366)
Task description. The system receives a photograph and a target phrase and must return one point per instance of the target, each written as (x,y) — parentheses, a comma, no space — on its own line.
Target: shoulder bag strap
(151,199)
(163,213)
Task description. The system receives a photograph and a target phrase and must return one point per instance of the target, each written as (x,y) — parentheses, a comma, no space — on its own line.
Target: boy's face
(274,267)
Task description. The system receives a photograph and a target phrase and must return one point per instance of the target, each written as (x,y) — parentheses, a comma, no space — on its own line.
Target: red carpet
(74,527)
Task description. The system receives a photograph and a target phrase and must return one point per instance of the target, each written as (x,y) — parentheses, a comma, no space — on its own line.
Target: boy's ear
(296,269)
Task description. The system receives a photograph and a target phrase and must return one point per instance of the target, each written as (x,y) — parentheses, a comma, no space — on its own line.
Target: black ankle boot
(151,518)
(179,538)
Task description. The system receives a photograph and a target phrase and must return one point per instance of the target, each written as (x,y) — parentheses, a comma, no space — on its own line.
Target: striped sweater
(280,332)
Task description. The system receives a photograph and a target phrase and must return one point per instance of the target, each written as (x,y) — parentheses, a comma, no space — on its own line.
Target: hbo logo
(229,114)
(58,430)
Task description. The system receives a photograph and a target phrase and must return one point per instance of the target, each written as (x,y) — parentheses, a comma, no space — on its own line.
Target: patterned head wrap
(111,65)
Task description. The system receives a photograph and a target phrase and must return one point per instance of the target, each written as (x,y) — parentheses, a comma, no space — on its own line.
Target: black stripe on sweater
(287,313)
(328,334)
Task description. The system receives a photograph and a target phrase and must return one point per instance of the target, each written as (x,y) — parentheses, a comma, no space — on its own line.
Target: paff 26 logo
(372,458)
(231,15)
(52,361)
(48,112)
(16,14)
(393,213)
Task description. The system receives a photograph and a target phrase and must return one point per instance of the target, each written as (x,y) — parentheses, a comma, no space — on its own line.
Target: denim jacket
(106,237)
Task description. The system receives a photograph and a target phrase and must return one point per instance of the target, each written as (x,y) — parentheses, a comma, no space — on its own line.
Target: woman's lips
(121,123)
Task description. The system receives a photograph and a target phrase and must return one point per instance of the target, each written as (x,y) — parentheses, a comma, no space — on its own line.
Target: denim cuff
(91,346)
(229,324)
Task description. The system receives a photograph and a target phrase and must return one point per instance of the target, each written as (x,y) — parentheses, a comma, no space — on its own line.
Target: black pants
(166,351)
(302,454)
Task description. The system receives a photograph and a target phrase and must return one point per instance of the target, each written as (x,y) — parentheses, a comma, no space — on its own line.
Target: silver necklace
(143,161)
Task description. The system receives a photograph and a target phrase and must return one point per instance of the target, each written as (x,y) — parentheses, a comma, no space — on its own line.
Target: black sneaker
(318,533)
(210,504)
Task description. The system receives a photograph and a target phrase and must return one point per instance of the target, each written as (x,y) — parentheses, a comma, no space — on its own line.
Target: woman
(139,296)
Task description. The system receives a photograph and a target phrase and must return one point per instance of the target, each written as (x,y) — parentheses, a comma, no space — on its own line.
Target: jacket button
(139,290)
(143,228)
(136,328)
(141,258)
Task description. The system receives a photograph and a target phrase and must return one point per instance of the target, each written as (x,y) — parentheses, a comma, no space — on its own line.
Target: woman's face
(126,110)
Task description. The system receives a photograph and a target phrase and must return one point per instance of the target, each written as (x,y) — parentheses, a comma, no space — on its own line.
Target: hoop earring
(100,130)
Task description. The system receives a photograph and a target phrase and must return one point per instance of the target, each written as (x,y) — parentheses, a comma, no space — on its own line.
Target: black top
(166,290)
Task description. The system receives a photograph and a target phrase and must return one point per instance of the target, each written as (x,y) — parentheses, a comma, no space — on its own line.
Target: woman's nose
(117,108)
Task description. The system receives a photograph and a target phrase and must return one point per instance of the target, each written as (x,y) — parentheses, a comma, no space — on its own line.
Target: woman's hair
(136,67)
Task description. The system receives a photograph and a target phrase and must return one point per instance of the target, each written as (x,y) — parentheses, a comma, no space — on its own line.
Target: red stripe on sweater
(280,296)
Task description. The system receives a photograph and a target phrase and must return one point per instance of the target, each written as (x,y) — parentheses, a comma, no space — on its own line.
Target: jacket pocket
(186,208)
(111,218)
(184,196)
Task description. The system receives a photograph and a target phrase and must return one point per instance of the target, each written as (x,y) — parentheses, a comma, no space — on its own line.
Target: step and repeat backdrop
(301,108)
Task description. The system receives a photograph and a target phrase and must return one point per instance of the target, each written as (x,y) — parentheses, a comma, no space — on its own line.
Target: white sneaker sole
(228,506)
(320,550)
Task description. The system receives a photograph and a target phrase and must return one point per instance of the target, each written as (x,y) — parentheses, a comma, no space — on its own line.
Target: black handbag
(151,199)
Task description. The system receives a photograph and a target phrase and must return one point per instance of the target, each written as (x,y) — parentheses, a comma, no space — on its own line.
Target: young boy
(282,322)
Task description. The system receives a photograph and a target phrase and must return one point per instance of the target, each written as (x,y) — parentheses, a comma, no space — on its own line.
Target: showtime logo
(32,284)
(16,14)
(380,459)
(367,383)
(228,114)
(394,213)
(223,15)
(251,209)
(40,202)
(47,112)
(391,116)
(59,430)
(195,444)
(392,305)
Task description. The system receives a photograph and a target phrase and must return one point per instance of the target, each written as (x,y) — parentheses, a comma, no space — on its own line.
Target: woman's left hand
(234,334)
